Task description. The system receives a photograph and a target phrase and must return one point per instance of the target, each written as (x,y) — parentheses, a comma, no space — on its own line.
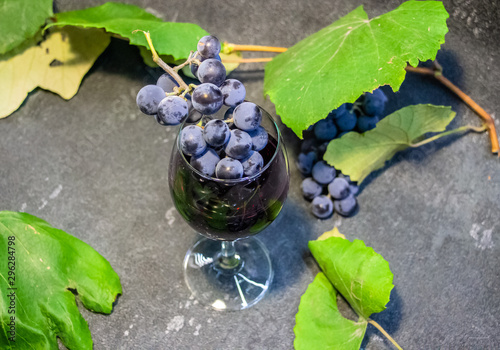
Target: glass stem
(228,258)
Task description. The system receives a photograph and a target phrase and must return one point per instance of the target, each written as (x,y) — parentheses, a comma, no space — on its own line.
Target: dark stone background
(97,168)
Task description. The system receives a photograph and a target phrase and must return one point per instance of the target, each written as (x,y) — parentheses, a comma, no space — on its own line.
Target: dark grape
(309,145)
(310,188)
(209,46)
(306,161)
(374,103)
(336,113)
(207,98)
(366,123)
(216,133)
(239,145)
(172,110)
(195,66)
(346,121)
(339,188)
(192,142)
(149,98)
(212,71)
(323,173)
(233,92)
(325,130)
(252,164)
(206,162)
(346,206)
(229,168)
(259,138)
(322,207)
(247,116)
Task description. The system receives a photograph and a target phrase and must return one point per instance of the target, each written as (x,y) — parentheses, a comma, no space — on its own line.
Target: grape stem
(247,60)
(161,63)
(437,73)
(376,325)
(191,59)
(450,132)
(229,48)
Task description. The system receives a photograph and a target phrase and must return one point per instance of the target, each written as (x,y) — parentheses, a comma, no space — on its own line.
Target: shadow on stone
(389,320)
(286,239)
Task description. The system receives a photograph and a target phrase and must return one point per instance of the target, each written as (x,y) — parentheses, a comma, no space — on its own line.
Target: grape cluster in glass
(226,149)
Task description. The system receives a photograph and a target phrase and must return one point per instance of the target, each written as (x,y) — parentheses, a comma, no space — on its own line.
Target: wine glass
(228,269)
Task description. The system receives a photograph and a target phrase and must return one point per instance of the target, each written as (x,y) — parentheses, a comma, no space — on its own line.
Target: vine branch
(228,48)
(489,122)
(162,64)
(379,327)
(247,60)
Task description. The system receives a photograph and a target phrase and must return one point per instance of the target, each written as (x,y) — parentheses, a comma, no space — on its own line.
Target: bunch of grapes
(327,191)
(226,149)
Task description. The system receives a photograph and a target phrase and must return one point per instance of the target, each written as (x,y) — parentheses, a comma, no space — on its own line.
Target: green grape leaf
(44,264)
(357,155)
(58,64)
(21,19)
(356,271)
(351,56)
(319,323)
(174,39)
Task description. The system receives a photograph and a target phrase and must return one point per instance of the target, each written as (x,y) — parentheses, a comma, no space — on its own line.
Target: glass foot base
(223,284)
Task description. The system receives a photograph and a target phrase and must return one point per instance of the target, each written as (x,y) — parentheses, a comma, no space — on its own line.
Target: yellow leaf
(230,66)
(58,64)
(333,233)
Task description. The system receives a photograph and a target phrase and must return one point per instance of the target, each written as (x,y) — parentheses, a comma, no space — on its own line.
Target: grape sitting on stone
(323,173)
(322,207)
(339,188)
(306,161)
(346,206)
(310,188)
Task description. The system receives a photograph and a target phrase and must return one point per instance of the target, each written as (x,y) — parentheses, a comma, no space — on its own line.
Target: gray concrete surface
(97,168)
